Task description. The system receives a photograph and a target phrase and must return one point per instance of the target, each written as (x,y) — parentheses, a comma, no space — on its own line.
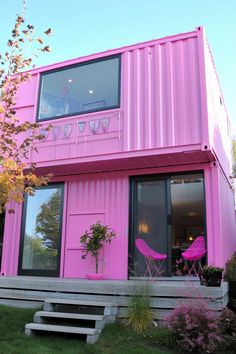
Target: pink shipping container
(141,142)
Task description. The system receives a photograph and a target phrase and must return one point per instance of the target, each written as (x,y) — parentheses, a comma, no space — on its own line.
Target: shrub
(195,328)
(139,312)
(230,270)
(94,240)
(227,325)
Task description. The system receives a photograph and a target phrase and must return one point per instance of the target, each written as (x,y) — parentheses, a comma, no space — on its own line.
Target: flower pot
(209,278)
(95,276)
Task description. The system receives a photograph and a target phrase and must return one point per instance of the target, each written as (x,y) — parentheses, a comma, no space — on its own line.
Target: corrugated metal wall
(91,199)
(219,124)
(161,95)
(227,244)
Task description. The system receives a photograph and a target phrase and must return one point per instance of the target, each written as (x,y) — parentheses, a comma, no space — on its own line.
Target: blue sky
(88,26)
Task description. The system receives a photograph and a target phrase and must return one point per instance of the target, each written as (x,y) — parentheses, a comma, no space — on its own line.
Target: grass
(140,314)
(115,339)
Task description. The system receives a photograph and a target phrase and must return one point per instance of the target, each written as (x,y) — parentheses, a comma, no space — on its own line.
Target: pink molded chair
(194,254)
(151,258)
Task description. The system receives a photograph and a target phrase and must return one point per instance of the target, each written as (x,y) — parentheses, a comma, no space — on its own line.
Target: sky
(82,27)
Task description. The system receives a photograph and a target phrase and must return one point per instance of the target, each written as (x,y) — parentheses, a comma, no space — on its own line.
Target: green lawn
(115,339)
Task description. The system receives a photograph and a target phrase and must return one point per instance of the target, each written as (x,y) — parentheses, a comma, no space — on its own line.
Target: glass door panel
(188,212)
(149,221)
(41,232)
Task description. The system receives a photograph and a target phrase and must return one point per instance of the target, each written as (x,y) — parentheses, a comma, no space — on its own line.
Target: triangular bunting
(105,124)
(66,130)
(81,126)
(94,125)
(55,132)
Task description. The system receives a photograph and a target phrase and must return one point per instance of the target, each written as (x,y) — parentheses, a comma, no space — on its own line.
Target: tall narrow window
(78,89)
(188,212)
(41,232)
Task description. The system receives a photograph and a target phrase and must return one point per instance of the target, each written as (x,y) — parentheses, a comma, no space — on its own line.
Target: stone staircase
(79,317)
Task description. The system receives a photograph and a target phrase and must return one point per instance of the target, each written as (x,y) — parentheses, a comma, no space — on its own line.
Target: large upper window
(86,87)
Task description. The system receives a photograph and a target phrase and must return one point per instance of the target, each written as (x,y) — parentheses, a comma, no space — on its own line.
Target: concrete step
(68,315)
(73,312)
(80,302)
(98,321)
(107,308)
(92,333)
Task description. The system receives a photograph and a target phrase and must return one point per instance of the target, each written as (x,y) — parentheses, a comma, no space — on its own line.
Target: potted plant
(211,275)
(93,241)
(230,276)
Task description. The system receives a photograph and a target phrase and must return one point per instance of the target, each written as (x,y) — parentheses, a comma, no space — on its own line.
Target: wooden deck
(165,293)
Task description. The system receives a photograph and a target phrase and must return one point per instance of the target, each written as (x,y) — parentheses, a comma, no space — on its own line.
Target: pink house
(141,142)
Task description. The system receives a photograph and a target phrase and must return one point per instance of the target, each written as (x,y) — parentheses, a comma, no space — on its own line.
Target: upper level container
(159,99)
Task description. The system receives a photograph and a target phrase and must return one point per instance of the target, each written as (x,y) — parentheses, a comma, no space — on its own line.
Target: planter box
(208,278)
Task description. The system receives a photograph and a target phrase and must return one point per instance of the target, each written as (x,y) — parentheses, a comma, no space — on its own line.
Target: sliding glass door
(41,232)
(150,210)
(168,213)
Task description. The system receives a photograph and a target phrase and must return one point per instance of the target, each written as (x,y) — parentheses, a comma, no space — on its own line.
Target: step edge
(46,327)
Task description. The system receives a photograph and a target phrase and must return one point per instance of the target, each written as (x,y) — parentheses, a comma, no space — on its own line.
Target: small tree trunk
(96,258)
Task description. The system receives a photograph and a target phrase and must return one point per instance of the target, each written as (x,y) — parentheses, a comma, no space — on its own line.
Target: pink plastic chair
(194,254)
(151,258)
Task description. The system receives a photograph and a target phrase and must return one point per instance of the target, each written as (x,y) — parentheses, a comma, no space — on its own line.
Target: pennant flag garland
(55,132)
(81,126)
(94,125)
(66,130)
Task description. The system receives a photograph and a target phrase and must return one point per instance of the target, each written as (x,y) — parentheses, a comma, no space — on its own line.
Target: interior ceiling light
(69,80)
(90,91)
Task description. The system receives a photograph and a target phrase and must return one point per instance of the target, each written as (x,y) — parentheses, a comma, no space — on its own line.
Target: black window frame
(41,272)
(88,62)
(133,179)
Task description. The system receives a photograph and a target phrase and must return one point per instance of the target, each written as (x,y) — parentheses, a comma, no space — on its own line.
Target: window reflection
(41,237)
(90,86)
(187,204)
(150,220)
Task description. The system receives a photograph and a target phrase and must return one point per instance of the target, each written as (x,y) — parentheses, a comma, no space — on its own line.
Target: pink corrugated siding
(218,120)
(227,214)
(220,215)
(11,241)
(27,94)
(161,95)
(160,104)
(91,199)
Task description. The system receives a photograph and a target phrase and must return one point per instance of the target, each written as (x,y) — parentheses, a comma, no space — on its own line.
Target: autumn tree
(17,138)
